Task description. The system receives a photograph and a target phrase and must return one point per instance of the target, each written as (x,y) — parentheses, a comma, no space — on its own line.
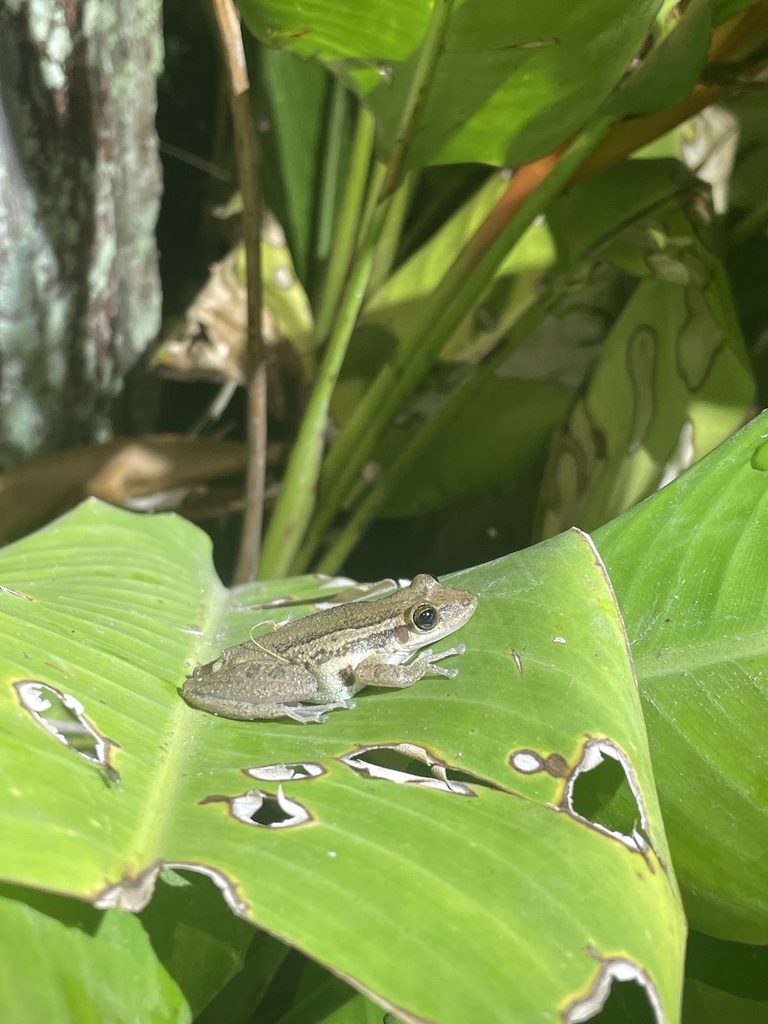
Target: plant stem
(348,224)
(297,496)
(247,153)
(330,172)
(429,52)
(392,233)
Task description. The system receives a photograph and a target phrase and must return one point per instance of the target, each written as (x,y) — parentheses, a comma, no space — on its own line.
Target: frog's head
(434,611)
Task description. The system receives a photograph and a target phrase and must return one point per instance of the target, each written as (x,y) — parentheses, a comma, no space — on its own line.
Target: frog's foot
(431,658)
(306,713)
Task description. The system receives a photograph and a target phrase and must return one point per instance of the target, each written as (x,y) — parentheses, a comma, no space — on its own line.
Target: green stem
(392,233)
(348,276)
(429,52)
(331,164)
(348,225)
(462,287)
(297,495)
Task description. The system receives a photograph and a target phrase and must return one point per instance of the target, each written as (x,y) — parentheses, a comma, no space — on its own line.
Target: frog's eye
(424,617)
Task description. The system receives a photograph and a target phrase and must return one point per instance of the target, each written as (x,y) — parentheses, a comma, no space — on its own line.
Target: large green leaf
(512,81)
(503,905)
(690,568)
(295,149)
(672,380)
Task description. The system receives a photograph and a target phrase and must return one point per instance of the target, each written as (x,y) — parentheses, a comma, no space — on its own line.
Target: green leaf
(537,904)
(595,211)
(389,315)
(71,963)
(672,67)
(725,981)
(254,986)
(672,380)
(356,1011)
(512,82)
(293,147)
(400,301)
(322,998)
(546,366)
(690,569)
(727,9)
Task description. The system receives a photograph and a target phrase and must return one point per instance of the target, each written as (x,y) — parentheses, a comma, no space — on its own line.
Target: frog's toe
(306,713)
(449,673)
(459,649)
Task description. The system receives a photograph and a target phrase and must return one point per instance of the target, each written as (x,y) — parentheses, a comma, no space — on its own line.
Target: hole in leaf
(265,810)
(407,763)
(622,993)
(270,813)
(63,716)
(603,792)
(285,772)
(603,795)
(529,762)
(626,1004)
(134,892)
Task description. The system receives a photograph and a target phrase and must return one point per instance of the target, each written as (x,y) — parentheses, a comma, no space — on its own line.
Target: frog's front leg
(374,672)
(257,686)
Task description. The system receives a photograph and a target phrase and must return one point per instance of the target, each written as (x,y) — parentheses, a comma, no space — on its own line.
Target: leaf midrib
(183,728)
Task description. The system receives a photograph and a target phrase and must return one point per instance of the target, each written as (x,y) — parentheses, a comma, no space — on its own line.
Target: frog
(315,664)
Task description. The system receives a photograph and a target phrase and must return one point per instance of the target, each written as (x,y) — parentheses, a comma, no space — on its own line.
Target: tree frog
(325,658)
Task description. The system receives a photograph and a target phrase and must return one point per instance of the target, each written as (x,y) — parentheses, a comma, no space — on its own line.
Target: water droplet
(759,458)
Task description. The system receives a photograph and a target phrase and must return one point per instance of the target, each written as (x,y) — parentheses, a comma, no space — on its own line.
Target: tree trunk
(79,195)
